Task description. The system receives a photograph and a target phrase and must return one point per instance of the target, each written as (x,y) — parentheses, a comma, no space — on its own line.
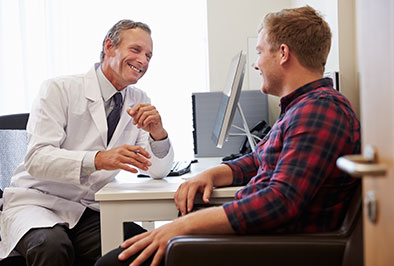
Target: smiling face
(268,65)
(127,63)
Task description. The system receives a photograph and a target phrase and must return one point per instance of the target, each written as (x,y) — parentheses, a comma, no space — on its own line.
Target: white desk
(129,198)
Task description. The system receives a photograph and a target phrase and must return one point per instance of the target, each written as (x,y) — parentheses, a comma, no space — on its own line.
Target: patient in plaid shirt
(291,181)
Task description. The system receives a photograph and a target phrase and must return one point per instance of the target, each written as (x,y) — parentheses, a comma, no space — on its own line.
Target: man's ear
(108,47)
(284,53)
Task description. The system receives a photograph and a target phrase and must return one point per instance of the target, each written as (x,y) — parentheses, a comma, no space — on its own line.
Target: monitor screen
(229,100)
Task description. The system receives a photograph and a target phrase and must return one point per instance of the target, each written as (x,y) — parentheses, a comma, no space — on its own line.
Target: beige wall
(232,26)
(348,52)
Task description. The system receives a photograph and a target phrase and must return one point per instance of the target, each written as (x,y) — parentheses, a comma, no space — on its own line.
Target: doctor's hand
(146,116)
(122,157)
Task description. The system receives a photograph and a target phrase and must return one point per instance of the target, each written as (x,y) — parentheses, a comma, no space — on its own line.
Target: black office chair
(342,247)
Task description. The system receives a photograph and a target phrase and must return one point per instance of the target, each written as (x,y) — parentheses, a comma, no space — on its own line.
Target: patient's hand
(186,193)
(211,220)
(152,243)
(203,183)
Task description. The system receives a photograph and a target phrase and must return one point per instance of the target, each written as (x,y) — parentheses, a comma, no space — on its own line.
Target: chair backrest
(14,122)
(353,213)
(13,145)
(352,228)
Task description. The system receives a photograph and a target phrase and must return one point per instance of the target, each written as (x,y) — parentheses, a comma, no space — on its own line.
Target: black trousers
(111,258)
(62,246)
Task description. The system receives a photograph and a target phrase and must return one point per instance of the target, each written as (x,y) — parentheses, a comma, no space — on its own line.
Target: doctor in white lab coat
(68,157)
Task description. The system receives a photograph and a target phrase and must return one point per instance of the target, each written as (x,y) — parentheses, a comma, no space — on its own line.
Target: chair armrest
(265,250)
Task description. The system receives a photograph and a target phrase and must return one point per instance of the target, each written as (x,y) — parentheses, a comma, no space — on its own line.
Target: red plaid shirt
(291,181)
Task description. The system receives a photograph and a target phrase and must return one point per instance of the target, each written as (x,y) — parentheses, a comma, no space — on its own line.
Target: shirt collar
(286,100)
(107,89)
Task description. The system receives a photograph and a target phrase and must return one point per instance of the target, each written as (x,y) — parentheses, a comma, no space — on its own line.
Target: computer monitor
(229,102)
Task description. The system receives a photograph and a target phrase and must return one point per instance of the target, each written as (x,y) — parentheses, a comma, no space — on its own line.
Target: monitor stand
(245,129)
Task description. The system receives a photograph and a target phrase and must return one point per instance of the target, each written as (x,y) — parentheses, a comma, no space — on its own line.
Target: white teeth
(134,68)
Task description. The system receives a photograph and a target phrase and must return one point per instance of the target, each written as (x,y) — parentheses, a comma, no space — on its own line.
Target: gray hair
(115,32)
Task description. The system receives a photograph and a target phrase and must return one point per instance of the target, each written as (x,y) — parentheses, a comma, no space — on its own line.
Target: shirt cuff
(88,165)
(160,148)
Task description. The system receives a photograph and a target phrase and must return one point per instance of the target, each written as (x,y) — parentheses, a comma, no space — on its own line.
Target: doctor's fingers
(137,161)
(148,118)
(151,120)
(143,113)
(132,150)
(128,168)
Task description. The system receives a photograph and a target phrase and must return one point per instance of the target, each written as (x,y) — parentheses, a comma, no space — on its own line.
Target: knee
(51,245)
(111,259)
(54,241)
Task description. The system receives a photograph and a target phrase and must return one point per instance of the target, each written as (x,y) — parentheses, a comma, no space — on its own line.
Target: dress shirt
(159,148)
(292,182)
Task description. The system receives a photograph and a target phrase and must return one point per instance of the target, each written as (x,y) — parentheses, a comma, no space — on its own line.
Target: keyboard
(178,168)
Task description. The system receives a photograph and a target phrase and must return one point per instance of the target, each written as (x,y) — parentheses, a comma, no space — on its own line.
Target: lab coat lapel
(96,104)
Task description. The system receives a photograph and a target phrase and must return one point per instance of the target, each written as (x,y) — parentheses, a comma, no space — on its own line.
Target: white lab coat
(67,120)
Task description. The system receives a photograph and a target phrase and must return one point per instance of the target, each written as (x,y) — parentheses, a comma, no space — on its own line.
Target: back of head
(115,33)
(304,31)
